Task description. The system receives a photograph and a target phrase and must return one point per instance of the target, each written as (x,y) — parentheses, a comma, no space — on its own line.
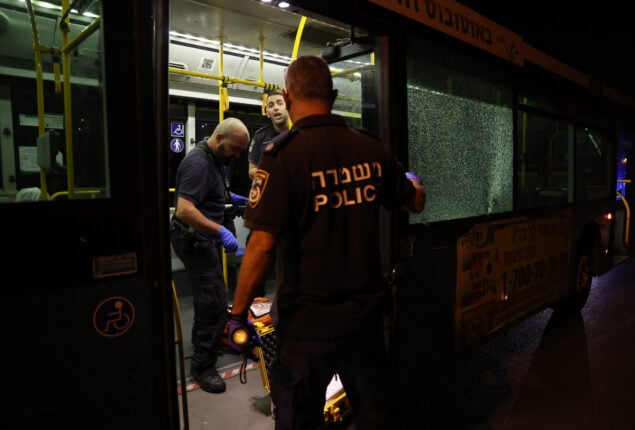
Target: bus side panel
(424,333)
(88,334)
(425,299)
(79,351)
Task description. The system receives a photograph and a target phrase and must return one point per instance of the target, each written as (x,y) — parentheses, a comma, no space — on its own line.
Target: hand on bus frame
(414,176)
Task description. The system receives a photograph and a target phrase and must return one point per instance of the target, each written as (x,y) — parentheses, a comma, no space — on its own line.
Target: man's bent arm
(253,269)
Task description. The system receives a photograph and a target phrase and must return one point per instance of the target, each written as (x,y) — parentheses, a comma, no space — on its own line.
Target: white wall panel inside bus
(86,305)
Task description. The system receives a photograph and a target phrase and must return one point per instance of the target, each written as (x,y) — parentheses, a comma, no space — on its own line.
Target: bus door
(86,305)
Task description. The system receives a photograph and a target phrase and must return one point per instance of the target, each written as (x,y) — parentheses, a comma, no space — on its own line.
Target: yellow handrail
(67,47)
(68,115)
(628,212)
(83,35)
(296,49)
(226,79)
(179,342)
(65,193)
(298,37)
(39,83)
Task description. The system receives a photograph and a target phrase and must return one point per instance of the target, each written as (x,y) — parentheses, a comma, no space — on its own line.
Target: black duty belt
(178,224)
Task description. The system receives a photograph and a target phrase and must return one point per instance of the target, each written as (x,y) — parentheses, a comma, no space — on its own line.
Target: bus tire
(581,279)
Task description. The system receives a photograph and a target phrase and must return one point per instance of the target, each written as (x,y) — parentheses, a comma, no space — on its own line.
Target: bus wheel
(581,279)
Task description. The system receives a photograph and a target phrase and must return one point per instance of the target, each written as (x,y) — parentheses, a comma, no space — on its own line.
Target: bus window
(53,144)
(593,169)
(460,134)
(545,163)
(350,76)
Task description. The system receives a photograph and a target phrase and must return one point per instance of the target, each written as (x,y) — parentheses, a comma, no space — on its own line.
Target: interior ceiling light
(230,47)
(280,4)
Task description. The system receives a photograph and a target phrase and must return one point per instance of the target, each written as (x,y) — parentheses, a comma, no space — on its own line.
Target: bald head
(230,138)
(231,127)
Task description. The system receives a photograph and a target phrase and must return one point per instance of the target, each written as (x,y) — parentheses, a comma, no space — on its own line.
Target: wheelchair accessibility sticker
(177,129)
(113,316)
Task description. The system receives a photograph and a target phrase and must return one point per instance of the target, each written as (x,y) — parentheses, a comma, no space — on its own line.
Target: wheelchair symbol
(113,317)
(177,129)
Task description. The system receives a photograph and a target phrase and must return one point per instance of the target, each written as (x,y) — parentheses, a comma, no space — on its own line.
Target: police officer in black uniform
(276,110)
(197,234)
(315,200)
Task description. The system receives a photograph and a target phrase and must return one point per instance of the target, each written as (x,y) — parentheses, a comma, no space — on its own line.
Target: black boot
(209,380)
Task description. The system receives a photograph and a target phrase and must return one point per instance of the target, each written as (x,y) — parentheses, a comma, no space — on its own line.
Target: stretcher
(336,406)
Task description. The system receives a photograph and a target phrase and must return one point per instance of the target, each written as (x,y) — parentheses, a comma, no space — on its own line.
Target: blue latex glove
(242,337)
(413,175)
(227,239)
(238,200)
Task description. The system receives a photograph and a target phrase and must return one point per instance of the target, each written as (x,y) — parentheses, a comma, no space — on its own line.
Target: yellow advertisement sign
(508,270)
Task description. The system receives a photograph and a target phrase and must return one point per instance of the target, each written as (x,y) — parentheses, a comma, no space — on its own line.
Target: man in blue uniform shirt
(276,111)
(197,233)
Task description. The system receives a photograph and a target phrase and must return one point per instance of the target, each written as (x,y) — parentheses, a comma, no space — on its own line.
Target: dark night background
(596,38)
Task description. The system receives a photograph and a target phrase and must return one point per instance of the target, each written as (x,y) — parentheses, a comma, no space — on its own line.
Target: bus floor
(245,404)
(241,406)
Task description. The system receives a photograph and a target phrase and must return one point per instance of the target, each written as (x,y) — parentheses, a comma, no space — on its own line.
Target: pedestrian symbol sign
(177,145)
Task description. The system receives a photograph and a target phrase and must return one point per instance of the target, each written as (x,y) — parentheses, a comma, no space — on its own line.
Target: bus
(525,161)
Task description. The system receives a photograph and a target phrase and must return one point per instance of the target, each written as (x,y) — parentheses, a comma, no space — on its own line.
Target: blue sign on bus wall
(177,144)
(177,129)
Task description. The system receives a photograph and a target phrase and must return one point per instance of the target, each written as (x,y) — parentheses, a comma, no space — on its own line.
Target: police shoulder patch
(258,186)
(278,142)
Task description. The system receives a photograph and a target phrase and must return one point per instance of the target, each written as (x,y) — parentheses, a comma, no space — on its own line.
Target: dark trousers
(204,268)
(304,369)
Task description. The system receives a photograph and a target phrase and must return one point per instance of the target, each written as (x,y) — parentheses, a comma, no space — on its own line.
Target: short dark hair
(309,77)
(274,93)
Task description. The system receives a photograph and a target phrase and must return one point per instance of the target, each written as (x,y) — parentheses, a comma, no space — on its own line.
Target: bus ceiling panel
(197,27)
(194,59)
(207,63)
(204,84)
(245,22)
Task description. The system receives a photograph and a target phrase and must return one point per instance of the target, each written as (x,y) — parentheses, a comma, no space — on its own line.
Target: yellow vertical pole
(296,48)
(261,78)
(221,116)
(627,232)
(221,93)
(39,85)
(261,60)
(298,37)
(68,117)
(179,343)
